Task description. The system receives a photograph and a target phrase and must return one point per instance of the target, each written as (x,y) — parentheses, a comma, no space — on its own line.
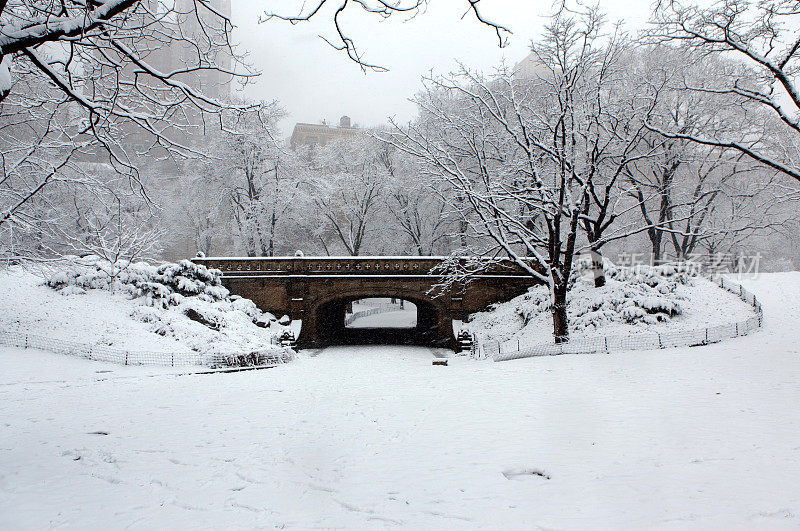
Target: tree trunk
(559,311)
(273,222)
(656,254)
(597,268)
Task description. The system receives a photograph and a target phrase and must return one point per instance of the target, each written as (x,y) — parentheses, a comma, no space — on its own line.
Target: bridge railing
(355,265)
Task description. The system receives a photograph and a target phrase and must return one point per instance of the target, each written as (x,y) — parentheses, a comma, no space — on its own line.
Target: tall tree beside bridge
(528,156)
(261,184)
(347,183)
(418,206)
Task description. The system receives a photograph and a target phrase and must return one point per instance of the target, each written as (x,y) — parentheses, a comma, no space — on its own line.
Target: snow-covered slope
(374,437)
(632,302)
(142,315)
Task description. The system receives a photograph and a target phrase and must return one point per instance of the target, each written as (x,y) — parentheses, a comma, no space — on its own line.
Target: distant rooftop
(306,134)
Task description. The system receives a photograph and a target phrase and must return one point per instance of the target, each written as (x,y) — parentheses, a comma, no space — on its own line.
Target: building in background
(207,73)
(320,134)
(195,21)
(530,68)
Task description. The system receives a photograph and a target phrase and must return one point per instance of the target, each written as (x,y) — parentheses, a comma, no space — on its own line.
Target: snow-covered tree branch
(343,41)
(763,40)
(527,155)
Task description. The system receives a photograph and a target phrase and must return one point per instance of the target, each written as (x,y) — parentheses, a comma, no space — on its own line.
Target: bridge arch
(312,288)
(323,319)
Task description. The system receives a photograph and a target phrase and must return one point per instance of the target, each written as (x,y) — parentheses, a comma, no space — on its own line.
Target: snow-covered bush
(633,296)
(165,285)
(185,301)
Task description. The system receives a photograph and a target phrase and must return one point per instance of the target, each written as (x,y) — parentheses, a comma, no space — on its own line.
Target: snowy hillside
(647,299)
(179,308)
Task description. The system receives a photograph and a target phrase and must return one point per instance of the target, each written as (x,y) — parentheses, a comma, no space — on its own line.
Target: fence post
(660,345)
(26,341)
(172,356)
(126,357)
(706,336)
(518,347)
(90,352)
(605,340)
(737,329)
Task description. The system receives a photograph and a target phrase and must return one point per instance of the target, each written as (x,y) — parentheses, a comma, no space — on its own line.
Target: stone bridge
(317,290)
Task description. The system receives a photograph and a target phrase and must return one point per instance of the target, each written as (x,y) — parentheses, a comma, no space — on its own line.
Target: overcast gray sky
(314,82)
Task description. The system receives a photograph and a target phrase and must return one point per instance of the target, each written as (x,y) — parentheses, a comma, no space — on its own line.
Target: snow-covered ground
(96,316)
(392,314)
(399,318)
(373,437)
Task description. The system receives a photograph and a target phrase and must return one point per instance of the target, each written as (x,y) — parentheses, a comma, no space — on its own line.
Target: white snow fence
(268,357)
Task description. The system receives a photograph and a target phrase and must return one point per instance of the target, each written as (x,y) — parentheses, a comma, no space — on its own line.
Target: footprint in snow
(515,473)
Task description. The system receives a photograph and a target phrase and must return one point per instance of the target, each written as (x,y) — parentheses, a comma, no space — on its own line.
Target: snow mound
(634,300)
(182,302)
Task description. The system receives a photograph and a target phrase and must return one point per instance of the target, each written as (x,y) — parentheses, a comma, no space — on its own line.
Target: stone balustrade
(349,266)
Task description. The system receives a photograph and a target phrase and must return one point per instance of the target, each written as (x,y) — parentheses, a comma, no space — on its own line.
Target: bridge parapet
(344,266)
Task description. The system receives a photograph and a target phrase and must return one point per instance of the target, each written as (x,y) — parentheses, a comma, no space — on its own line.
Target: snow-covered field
(373,437)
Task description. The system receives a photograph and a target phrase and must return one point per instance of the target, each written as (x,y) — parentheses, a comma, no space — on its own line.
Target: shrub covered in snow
(165,285)
(633,296)
(183,300)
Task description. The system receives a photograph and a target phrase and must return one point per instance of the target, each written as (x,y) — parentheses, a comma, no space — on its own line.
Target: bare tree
(384,9)
(417,204)
(205,212)
(110,81)
(110,228)
(104,61)
(421,215)
(261,182)
(763,37)
(524,154)
(348,181)
(618,140)
(683,189)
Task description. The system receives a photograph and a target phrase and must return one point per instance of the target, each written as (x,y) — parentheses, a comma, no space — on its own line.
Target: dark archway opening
(377,320)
